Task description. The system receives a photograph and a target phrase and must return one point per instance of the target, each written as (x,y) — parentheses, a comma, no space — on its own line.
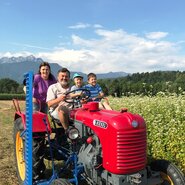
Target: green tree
(8,86)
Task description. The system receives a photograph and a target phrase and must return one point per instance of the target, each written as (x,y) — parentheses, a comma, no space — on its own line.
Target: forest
(148,83)
(145,84)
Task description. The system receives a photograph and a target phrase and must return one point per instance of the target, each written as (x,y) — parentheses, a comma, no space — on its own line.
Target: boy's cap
(77,75)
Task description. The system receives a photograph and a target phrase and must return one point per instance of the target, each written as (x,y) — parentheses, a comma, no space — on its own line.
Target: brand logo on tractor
(100,124)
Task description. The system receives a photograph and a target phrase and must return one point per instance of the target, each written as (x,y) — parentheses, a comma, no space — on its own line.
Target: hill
(15,67)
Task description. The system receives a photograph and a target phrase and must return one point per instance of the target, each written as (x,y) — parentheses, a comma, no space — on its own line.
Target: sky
(97,36)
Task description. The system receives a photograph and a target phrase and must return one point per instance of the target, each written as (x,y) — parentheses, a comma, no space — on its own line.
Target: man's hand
(62,97)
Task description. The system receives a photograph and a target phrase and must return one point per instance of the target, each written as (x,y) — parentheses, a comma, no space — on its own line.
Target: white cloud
(156,35)
(117,50)
(79,26)
(29,46)
(9,54)
(97,26)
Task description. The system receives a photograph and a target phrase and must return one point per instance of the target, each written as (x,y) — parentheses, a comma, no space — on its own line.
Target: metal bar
(16,105)
(28,141)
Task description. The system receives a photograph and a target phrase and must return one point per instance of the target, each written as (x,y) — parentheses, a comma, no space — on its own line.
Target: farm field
(165,118)
(7,167)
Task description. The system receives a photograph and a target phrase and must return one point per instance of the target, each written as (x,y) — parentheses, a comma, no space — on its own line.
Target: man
(56,96)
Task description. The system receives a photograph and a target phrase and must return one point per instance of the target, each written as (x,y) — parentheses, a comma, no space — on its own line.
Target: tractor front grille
(131,150)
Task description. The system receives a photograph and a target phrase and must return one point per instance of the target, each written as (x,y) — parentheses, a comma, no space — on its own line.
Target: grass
(7,165)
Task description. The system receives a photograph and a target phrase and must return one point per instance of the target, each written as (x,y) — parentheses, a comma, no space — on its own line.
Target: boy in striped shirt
(96,92)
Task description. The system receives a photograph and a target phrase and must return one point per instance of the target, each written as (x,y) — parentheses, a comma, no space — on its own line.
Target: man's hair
(64,70)
(90,75)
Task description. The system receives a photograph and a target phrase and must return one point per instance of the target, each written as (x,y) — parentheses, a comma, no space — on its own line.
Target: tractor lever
(16,105)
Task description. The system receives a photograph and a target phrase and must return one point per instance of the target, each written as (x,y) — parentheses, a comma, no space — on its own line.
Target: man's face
(63,79)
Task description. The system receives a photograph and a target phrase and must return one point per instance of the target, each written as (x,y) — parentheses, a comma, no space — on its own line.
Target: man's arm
(56,101)
(52,99)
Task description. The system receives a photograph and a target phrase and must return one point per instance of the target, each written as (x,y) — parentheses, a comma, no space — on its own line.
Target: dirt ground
(7,165)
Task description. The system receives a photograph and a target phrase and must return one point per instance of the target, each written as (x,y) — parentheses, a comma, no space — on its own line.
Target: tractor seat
(53,113)
(54,116)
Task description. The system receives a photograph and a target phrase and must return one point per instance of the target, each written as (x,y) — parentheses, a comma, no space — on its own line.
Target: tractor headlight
(135,124)
(73,133)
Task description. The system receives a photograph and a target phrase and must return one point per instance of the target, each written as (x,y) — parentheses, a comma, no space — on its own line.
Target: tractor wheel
(169,172)
(19,143)
(39,167)
(19,154)
(60,182)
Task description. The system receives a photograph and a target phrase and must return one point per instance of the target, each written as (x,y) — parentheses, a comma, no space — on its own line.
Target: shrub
(12,96)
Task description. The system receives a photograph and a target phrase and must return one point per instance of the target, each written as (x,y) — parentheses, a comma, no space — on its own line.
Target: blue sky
(96,35)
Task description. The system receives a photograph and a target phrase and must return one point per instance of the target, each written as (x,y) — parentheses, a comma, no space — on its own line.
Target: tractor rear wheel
(60,182)
(39,167)
(19,154)
(170,174)
(19,145)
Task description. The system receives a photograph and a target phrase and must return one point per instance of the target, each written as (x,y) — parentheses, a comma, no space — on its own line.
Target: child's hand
(83,100)
(79,94)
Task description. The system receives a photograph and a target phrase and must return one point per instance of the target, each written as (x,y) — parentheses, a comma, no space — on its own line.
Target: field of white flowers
(165,119)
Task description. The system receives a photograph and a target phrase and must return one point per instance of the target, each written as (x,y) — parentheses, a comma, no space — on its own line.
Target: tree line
(148,83)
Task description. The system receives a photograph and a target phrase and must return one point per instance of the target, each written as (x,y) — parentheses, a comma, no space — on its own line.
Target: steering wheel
(84,95)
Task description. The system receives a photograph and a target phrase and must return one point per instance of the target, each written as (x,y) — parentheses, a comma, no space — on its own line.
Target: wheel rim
(20,156)
(167,179)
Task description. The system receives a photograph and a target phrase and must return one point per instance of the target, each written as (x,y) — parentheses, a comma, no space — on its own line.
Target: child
(96,92)
(78,80)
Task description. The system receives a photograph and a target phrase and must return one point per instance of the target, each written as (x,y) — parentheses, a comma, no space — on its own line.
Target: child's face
(78,81)
(92,81)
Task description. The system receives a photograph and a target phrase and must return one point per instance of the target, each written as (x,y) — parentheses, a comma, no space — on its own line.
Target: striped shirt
(95,90)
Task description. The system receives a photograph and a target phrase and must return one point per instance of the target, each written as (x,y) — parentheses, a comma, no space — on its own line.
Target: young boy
(78,80)
(96,91)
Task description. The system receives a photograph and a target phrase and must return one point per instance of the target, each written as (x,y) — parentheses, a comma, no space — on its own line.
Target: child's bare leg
(106,106)
(101,106)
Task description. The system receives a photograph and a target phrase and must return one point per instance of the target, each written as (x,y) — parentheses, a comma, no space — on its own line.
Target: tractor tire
(19,153)
(38,167)
(169,172)
(60,182)
(19,145)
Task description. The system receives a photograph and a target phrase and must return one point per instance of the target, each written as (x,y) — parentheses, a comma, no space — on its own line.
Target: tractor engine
(90,156)
(113,145)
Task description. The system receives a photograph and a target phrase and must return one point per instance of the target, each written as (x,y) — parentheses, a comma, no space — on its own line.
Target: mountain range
(15,68)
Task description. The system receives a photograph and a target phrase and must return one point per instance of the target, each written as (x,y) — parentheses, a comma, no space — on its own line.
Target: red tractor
(102,147)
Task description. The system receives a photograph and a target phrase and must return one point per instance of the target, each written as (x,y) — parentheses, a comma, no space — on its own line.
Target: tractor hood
(121,134)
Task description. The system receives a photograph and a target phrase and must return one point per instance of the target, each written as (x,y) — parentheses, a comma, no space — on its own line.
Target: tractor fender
(22,116)
(40,121)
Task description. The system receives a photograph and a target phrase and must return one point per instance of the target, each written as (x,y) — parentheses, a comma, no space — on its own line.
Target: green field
(165,119)
(164,116)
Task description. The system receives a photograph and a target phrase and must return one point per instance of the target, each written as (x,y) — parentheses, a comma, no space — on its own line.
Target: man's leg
(63,114)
